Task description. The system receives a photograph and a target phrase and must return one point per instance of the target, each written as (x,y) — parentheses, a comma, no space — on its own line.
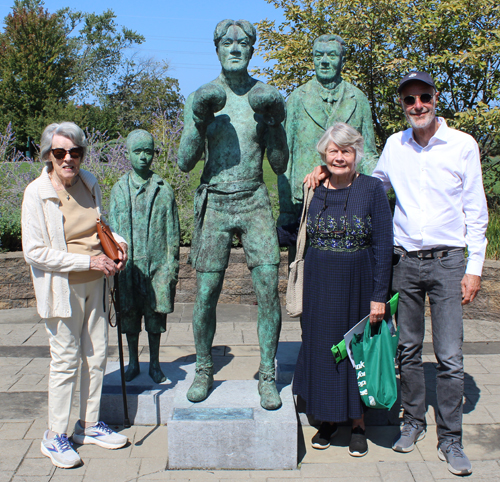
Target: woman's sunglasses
(424,98)
(74,153)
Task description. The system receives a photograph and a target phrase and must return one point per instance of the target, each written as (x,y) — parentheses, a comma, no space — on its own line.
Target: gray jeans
(440,279)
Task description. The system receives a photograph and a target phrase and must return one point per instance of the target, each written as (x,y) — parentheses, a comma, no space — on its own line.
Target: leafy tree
(142,93)
(456,41)
(98,48)
(49,63)
(35,60)
(86,115)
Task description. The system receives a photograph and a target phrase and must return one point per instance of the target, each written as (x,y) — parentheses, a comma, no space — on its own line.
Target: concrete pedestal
(148,403)
(230,430)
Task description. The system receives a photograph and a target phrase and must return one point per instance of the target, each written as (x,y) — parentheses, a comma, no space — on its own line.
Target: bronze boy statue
(143,208)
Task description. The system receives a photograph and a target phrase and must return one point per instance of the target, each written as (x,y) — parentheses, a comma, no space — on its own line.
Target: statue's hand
(208,99)
(268,102)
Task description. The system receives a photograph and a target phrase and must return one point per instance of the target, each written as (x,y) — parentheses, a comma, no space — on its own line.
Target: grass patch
(493,234)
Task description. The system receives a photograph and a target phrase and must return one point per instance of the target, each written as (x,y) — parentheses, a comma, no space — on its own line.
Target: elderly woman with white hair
(69,269)
(346,277)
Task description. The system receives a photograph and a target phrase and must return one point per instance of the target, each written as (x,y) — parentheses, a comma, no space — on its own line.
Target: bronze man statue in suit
(311,109)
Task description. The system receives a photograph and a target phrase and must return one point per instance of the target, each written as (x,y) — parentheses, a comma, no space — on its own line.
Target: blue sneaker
(99,434)
(60,451)
(458,462)
(409,436)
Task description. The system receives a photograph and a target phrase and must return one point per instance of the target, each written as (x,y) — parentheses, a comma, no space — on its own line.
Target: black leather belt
(431,253)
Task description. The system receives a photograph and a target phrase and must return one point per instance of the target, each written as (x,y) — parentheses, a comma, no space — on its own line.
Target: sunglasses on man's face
(74,153)
(411,99)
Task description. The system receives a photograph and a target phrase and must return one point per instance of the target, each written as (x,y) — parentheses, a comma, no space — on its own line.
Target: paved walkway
(24,361)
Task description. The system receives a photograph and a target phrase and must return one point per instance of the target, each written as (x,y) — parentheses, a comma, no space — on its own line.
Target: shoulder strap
(301,238)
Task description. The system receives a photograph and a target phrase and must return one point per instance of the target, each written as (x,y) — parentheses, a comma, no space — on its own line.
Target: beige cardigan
(44,245)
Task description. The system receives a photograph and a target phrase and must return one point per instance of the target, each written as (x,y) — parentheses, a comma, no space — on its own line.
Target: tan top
(80,231)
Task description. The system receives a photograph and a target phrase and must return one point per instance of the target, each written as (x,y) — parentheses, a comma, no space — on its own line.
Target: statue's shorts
(154,322)
(247,214)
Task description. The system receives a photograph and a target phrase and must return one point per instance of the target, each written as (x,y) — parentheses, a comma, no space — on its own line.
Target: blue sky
(179,31)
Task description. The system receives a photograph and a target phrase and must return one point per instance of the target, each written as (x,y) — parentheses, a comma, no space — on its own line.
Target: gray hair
(344,136)
(332,38)
(66,129)
(223,26)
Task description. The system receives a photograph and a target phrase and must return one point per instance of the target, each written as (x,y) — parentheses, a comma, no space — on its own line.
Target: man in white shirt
(435,172)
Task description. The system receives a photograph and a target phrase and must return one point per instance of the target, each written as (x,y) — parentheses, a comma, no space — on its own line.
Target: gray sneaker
(409,436)
(99,434)
(60,451)
(458,462)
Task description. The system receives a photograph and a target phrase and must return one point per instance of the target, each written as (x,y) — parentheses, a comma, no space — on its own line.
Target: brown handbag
(108,243)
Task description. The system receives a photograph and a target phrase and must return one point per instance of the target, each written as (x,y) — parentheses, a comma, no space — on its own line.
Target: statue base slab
(230,430)
(148,403)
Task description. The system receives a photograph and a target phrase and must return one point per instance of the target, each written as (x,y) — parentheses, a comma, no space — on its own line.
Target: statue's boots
(269,396)
(133,369)
(203,381)
(156,373)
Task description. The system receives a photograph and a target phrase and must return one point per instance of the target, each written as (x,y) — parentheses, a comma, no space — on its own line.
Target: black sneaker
(322,438)
(358,445)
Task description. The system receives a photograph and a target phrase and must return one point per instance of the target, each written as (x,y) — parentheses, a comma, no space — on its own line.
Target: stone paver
(24,362)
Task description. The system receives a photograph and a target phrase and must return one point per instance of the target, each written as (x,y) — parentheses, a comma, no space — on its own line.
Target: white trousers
(83,337)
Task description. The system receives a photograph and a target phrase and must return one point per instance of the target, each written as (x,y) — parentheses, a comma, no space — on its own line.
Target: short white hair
(66,129)
(344,136)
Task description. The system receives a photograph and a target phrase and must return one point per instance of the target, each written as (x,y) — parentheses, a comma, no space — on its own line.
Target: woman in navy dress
(346,277)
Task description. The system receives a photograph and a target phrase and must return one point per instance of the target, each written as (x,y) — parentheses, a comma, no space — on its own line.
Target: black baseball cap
(415,75)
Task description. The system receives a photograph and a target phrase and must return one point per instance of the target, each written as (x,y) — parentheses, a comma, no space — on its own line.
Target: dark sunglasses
(424,98)
(74,153)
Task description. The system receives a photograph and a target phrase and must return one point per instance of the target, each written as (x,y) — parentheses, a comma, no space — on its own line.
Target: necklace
(58,185)
(324,208)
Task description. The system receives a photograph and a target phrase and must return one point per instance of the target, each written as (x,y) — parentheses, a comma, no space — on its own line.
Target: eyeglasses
(424,98)
(74,153)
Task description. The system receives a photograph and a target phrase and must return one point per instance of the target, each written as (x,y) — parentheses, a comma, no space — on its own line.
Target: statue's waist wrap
(224,197)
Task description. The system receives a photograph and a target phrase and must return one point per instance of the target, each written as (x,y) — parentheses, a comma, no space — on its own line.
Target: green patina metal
(232,121)
(144,212)
(311,109)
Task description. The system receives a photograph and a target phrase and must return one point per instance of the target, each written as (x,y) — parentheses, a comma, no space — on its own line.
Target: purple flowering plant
(106,160)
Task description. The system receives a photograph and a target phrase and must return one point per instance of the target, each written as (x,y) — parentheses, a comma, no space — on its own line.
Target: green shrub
(493,234)
(10,230)
(491,180)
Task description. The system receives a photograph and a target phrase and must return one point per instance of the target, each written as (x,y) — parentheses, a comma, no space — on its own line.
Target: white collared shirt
(439,191)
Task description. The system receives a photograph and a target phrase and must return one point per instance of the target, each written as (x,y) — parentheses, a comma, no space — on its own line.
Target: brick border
(16,289)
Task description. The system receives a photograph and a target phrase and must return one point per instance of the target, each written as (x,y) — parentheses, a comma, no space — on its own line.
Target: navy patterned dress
(347,265)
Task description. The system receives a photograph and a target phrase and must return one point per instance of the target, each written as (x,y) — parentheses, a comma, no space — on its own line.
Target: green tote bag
(373,352)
